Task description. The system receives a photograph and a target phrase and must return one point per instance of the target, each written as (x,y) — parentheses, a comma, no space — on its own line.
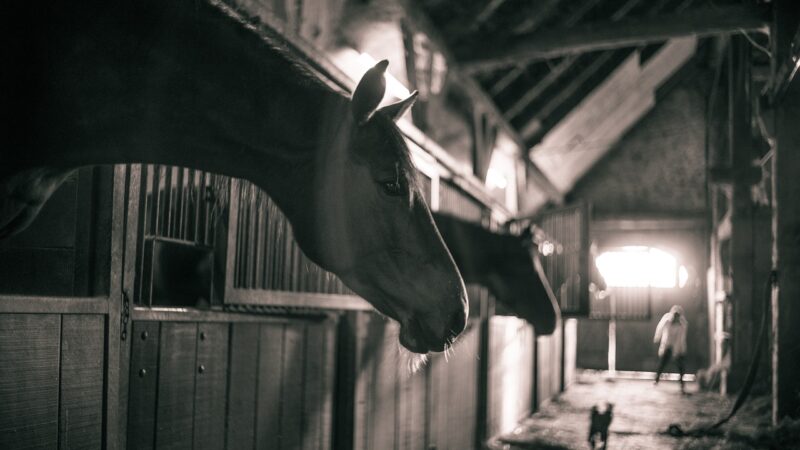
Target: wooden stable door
(51,380)
(253,384)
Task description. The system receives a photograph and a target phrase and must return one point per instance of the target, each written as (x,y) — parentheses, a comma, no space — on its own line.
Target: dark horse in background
(186,84)
(507,265)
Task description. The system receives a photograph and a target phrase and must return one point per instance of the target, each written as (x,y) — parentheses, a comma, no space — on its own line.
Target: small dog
(599,425)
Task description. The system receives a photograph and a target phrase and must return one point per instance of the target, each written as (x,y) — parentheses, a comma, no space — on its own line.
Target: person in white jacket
(671,337)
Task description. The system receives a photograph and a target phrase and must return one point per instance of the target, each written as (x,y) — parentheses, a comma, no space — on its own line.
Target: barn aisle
(642,413)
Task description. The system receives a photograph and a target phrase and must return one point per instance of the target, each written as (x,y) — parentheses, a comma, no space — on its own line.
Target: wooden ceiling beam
(536,19)
(506,80)
(565,64)
(486,13)
(602,117)
(618,34)
(540,87)
(583,9)
(471,87)
(576,17)
(534,124)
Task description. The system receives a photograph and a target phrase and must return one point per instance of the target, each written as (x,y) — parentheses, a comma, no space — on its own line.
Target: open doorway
(645,274)
(633,275)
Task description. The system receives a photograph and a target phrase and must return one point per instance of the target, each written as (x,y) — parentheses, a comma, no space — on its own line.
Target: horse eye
(393,188)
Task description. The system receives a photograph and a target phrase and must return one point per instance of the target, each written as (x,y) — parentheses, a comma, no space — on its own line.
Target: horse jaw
(386,249)
(410,277)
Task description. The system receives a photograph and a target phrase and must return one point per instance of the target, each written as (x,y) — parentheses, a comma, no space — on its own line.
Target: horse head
(373,229)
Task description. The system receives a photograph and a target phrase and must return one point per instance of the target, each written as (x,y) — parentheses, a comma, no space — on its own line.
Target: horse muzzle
(418,336)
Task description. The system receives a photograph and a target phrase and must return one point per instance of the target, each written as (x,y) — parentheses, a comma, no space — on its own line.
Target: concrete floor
(642,414)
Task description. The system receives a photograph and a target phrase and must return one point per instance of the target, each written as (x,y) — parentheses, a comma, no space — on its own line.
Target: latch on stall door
(125,316)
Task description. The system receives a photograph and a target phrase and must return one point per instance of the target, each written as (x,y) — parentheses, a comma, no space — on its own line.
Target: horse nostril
(458,321)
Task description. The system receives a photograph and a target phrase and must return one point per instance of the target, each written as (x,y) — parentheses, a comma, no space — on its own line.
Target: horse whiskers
(417,362)
(413,361)
(449,352)
(449,349)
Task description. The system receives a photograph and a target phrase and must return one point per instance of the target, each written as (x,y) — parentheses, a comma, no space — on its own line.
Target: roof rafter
(540,87)
(474,90)
(506,80)
(617,34)
(535,20)
(486,13)
(567,62)
(583,9)
(534,124)
(531,95)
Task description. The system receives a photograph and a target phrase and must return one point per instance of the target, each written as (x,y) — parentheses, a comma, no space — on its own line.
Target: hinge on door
(124,316)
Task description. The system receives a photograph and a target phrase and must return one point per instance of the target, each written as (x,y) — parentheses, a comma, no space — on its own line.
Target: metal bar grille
(179,204)
(267,256)
(183,204)
(565,263)
(457,203)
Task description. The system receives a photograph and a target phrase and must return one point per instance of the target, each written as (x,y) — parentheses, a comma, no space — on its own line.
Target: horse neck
(212,99)
(278,151)
(208,97)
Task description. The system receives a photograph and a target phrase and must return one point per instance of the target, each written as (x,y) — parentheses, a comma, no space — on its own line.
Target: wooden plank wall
(434,407)
(511,373)
(548,366)
(377,371)
(570,351)
(232,384)
(453,393)
(51,380)
(65,250)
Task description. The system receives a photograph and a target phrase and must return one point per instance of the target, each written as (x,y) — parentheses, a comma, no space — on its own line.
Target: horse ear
(369,92)
(396,110)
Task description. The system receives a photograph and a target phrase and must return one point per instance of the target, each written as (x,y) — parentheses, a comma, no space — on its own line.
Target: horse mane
(301,72)
(280,53)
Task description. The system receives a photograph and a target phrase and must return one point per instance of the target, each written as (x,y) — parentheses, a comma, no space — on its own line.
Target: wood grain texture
(176,379)
(108,278)
(437,403)
(544,369)
(365,346)
(211,386)
(462,390)
(292,419)
(511,372)
(383,409)
(315,410)
(244,357)
(81,406)
(411,423)
(29,375)
(19,304)
(268,415)
(142,385)
(329,362)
